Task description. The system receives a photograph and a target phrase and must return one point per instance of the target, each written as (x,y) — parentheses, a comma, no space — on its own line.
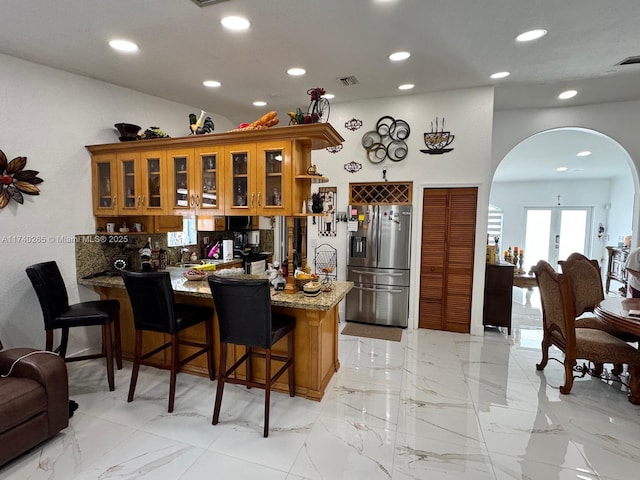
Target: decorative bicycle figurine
(318,111)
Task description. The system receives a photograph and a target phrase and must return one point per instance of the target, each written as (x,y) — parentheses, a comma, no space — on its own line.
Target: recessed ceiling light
(329,96)
(235,23)
(211,83)
(259,103)
(397,56)
(585,153)
(531,35)
(500,74)
(561,169)
(123,46)
(296,71)
(406,86)
(568,94)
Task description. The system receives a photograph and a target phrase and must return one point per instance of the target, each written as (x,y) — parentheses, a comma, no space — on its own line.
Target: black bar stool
(243,308)
(58,314)
(155,310)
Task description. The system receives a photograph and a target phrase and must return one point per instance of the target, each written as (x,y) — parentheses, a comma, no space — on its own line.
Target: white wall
(468,115)
(49,116)
(619,220)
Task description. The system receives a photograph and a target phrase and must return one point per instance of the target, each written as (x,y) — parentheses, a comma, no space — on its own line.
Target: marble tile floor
(434,406)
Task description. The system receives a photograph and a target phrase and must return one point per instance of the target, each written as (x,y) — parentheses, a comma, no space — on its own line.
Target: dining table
(615,311)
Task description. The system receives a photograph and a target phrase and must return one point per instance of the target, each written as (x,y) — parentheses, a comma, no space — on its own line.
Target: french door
(553,233)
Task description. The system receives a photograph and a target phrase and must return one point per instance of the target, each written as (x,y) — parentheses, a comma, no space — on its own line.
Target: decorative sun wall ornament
(353,124)
(335,149)
(14,180)
(353,167)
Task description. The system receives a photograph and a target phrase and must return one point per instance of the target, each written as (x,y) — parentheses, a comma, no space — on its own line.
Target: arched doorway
(551,172)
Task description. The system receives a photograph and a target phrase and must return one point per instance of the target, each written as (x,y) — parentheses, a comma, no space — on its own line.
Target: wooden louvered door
(446,267)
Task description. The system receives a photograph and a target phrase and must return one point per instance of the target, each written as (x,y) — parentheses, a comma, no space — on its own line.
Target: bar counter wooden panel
(316,333)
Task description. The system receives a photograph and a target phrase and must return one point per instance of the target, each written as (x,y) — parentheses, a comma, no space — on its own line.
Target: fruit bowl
(194,275)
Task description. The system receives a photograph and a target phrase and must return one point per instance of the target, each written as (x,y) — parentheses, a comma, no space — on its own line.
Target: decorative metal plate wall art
(335,149)
(15,181)
(437,141)
(353,167)
(353,124)
(387,140)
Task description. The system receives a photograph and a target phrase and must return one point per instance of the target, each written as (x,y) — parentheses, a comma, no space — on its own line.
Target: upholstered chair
(559,329)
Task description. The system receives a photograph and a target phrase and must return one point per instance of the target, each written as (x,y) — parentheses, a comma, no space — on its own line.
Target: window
(494,223)
(188,235)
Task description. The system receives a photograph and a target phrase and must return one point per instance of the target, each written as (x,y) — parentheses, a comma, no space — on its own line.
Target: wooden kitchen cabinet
(196,180)
(255,172)
(103,166)
(260,177)
(129,183)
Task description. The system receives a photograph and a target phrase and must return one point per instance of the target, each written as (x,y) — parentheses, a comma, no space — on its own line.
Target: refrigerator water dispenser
(358,247)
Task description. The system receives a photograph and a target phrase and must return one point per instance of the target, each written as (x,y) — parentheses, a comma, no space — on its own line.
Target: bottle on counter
(145,256)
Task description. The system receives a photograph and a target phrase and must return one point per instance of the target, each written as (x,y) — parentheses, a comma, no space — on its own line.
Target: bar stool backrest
(152,301)
(49,286)
(243,309)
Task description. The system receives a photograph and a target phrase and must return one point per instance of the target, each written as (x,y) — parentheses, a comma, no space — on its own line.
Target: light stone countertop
(200,288)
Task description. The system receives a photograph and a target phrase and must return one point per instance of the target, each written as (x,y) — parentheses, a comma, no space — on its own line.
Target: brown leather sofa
(34,400)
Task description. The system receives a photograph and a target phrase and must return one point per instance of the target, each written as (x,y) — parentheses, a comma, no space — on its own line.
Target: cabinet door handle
(193,201)
(253,199)
(114,200)
(139,201)
(259,199)
(198,200)
(143,200)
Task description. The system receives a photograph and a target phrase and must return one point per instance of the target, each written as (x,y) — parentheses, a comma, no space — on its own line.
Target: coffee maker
(239,244)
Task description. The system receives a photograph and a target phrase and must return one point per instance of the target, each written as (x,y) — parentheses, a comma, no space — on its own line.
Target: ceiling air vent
(348,81)
(630,60)
(204,3)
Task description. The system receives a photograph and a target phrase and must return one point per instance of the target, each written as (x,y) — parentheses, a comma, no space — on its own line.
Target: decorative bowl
(124,230)
(127,131)
(194,275)
(312,289)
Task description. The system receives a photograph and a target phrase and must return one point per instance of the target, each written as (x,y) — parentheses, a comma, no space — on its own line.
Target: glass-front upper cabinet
(241,198)
(274,178)
(129,191)
(104,184)
(180,180)
(153,184)
(209,197)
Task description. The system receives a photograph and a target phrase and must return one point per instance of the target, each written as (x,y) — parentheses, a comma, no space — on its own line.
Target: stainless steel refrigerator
(379,265)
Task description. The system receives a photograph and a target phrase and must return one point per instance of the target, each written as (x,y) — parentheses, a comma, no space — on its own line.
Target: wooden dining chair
(559,329)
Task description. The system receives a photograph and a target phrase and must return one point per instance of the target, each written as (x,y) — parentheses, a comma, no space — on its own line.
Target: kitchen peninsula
(316,333)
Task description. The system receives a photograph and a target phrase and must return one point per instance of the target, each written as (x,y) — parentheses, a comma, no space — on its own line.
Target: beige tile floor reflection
(435,406)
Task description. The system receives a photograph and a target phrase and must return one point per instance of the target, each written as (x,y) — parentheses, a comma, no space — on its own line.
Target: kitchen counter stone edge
(200,288)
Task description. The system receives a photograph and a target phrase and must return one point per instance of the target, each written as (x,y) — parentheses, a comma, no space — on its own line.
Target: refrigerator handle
(373,289)
(364,272)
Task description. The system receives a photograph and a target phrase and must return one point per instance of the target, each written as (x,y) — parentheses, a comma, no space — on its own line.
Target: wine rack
(397,193)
